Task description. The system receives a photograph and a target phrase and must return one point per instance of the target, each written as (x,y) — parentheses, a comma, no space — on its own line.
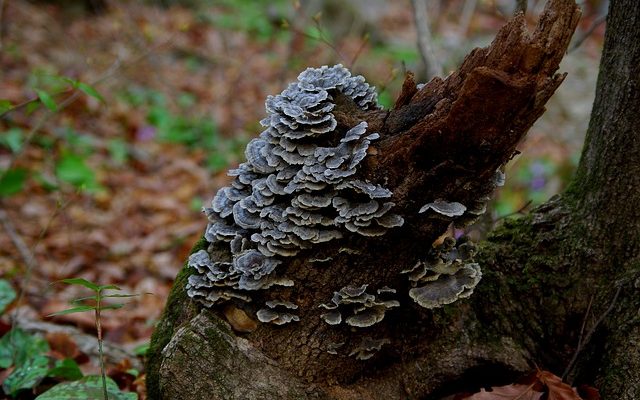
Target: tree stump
(444,141)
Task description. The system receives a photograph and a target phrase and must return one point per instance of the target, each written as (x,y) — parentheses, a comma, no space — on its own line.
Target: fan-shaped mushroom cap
(448,209)
(447,288)
(298,187)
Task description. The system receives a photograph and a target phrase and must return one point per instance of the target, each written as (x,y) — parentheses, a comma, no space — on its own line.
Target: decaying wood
(444,141)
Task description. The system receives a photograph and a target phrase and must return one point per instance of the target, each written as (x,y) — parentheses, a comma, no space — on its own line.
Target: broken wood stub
(442,141)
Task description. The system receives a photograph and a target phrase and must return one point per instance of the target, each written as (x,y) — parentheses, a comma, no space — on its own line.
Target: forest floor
(119,124)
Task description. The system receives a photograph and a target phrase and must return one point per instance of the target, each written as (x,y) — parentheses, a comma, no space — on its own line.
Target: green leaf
(66,369)
(196,204)
(119,151)
(82,282)
(32,106)
(12,139)
(73,310)
(133,371)
(80,300)
(112,306)
(5,105)
(47,182)
(12,181)
(82,143)
(17,346)
(72,169)
(26,375)
(87,388)
(70,81)
(90,91)
(217,162)
(142,349)
(385,100)
(120,295)
(7,294)
(47,100)
(109,287)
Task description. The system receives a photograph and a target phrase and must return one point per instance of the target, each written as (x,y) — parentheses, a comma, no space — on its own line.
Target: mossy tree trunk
(573,260)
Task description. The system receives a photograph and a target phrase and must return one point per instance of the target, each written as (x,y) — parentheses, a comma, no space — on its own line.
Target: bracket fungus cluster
(447,274)
(298,188)
(359,308)
(278,312)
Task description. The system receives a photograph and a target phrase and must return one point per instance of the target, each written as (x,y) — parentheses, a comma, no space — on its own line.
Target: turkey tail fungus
(325,239)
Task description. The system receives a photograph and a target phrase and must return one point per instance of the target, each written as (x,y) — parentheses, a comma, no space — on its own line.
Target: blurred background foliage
(119,119)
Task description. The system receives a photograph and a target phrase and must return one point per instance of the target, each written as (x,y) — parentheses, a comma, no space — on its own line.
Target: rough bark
(540,273)
(606,192)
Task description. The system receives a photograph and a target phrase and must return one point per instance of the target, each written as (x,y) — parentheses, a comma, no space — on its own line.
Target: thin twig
(100,350)
(1,22)
(518,211)
(34,100)
(65,103)
(596,23)
(30,265)
(584,320)
(587,338)
(321,38)
(365,40)
(425,41)
(115,67)
(16,239)
(465,17)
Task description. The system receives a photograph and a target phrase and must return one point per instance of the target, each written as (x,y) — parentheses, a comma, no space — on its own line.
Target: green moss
(178,310)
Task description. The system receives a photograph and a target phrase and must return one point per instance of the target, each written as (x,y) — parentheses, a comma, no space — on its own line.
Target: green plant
(192,131)
(95,303)
(259,19)
(89,387)
(7,294)
(27,354)
(71,167)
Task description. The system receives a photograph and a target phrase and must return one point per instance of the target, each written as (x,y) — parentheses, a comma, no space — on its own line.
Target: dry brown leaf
(558,390)
(239,320)
(63,346)
(589,392)
(508,392)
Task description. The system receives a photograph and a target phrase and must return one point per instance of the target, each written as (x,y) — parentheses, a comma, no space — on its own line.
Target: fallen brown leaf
(589,392)
(64,346)
(508,392)
(558,390)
